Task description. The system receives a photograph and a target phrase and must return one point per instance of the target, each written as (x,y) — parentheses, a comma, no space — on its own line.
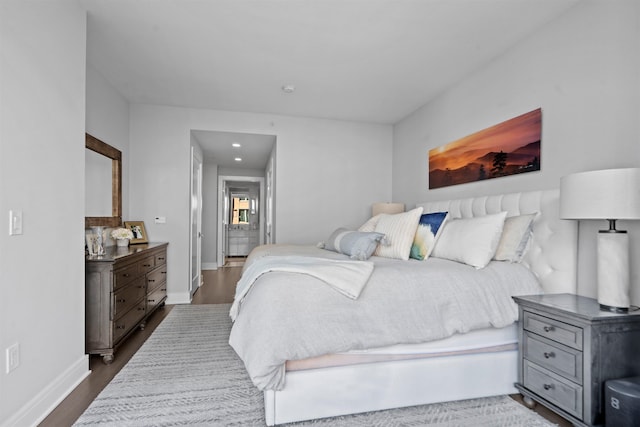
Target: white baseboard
(178,298)
(209,265)
(43,403)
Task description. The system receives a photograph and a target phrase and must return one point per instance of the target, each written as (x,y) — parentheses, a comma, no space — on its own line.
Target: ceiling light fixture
(238,159)
(288,88)
(236,145)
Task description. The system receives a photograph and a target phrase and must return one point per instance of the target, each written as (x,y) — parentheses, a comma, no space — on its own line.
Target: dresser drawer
(129,321)
(557,390)
(147,264)
(161,258)
(563,333)
(156,297)
(560,359)
(127,297)
(156,277)
(124,275)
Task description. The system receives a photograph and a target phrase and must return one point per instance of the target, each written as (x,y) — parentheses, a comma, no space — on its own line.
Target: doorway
(242,216)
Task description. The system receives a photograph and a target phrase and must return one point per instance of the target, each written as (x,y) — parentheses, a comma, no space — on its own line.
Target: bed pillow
(472,241)
(370,225)
(427,233)
(399,229)
(358,245)
(515,238)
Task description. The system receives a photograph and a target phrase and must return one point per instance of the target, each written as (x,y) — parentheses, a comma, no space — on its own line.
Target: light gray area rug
(187,374)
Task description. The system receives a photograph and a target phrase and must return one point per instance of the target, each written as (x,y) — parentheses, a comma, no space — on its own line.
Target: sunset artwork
(508,148)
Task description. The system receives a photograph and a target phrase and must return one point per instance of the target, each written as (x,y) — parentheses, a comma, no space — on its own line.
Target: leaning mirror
(103,184)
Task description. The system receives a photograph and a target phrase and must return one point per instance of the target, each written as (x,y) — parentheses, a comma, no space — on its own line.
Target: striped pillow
(357,244)
(399,229)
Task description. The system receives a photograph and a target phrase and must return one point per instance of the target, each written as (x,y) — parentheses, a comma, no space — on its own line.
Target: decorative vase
(122,242)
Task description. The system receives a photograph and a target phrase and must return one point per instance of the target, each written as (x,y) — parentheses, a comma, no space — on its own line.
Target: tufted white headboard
(552,254)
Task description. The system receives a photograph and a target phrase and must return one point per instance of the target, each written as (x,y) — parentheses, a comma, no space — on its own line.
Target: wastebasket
(622,402)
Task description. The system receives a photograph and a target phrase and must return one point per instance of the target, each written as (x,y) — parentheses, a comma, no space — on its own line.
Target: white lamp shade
(602,194)
(387,208)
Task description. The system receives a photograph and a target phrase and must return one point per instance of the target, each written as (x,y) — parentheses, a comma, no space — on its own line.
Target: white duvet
(292,316)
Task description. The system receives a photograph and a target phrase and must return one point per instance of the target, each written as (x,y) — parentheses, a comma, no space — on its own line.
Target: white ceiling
(254,149)
(362,60)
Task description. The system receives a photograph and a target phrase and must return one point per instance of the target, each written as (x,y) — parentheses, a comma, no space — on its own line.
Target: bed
(375,359)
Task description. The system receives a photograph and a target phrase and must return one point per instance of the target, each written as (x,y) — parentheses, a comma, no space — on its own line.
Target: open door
(196,221)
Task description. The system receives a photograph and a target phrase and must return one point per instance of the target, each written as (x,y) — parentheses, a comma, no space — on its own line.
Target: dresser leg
(107,359)
(529,402)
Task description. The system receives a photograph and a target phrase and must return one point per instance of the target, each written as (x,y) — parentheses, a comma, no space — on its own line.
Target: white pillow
(471,241)
(515,237)
(399,229)
(370,225)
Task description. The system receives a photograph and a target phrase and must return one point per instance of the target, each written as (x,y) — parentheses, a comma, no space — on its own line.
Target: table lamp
(610,194)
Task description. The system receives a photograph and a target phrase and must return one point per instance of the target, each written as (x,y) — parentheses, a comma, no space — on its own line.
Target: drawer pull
(146,265)
(151,300)
(161,258)
(548,328)
(548,355)
(150,280)
(126,275)
(121,300)
(548,386)
(120,327)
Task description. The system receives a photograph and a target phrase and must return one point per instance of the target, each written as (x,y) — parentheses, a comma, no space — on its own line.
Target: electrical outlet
(13,357)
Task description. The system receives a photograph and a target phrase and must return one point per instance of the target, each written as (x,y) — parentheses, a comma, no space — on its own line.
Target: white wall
(107,118)
(328,174)
(209,216)
(583,70)
(42,115)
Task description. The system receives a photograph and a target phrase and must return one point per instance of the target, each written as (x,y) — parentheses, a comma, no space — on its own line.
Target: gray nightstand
(569,348)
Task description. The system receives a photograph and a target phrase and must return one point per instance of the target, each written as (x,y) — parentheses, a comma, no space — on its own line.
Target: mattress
(480,341)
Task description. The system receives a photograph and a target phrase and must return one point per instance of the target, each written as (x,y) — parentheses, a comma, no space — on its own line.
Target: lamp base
(613,271)
(613,309)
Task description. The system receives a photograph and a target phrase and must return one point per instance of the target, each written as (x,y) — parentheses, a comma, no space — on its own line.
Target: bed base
(329,392)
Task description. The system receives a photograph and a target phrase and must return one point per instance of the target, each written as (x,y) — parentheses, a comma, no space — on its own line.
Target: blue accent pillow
(358,245)
(427,234)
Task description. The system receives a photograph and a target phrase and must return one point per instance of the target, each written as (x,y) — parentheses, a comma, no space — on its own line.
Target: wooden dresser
(122,288)
(569,348)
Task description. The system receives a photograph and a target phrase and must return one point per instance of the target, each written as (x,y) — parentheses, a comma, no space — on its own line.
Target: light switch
(161,220)
(15,222)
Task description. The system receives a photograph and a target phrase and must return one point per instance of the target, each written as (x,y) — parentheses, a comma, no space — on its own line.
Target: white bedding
(289,316)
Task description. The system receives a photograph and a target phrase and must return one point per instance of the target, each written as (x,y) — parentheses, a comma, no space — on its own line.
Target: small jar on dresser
(122,288)
(569,348)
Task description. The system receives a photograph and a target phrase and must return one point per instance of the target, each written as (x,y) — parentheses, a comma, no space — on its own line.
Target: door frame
(223,210)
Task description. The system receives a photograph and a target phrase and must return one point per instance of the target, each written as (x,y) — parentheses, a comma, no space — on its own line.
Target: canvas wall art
(508,148)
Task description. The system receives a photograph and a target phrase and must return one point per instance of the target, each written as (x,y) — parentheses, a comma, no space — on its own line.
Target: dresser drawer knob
(548,328)
(120,327)
(121,300)
(549,354)
(548,386)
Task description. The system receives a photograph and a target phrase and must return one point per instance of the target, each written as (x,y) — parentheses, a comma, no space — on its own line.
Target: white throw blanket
(346,277)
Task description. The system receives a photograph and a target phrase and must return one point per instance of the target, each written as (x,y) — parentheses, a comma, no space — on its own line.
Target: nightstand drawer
(560,359)
(561,392)
(554,330)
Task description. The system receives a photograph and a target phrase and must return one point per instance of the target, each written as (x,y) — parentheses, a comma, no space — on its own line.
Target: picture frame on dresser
(139,232)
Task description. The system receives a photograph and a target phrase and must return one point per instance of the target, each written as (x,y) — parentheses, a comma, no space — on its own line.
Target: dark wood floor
(218,288)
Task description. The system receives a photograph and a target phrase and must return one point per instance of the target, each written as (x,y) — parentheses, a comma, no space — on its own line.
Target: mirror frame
(115,220)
